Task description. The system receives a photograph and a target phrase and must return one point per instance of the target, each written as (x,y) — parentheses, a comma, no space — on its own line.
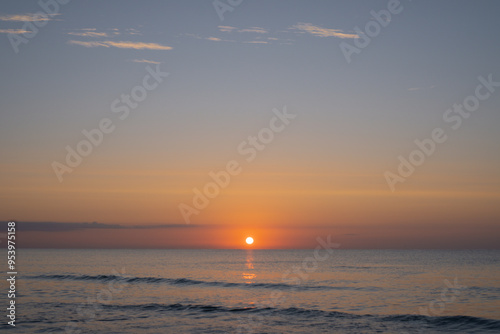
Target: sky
(194,124)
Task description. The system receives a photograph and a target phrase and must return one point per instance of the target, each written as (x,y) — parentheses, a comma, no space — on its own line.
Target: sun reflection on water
(248,275)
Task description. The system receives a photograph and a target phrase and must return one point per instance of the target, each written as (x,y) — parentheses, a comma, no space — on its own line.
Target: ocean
(255,291)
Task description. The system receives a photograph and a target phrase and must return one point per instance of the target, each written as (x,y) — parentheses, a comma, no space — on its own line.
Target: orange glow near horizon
(289,212)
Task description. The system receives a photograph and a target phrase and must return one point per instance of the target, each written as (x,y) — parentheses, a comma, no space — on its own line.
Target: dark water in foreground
(259,291)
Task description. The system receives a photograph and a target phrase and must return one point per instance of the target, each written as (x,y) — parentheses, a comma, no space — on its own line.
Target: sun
(249,240)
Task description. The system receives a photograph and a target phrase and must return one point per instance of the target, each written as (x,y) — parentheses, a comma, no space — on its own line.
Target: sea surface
(255,291)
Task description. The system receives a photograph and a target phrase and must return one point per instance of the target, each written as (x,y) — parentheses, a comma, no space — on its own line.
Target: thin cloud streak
(256,42)
(257,30)
(122,45)
(113,32)
(146,61)
(254,29)
(27,17)
(13,31)
(227,28)
(66,227)
(322,32)
(89,34)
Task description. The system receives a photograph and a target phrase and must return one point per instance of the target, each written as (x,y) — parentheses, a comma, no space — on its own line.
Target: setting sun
(249,241)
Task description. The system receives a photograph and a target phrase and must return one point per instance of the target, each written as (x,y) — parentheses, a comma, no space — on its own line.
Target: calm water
(260,291)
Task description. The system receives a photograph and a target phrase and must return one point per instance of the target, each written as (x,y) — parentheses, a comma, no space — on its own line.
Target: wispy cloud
(322,32)
(256,42)
(89,34)
(227,28)
(122,45)
(257,30)
(66,227)
(133,31)
(193,35)
(92,32)
(211,38)
(27,17)
(146,61)
(215,39)
(13,31)
(254,29)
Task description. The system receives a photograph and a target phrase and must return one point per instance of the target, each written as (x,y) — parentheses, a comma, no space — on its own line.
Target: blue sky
(354,119)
